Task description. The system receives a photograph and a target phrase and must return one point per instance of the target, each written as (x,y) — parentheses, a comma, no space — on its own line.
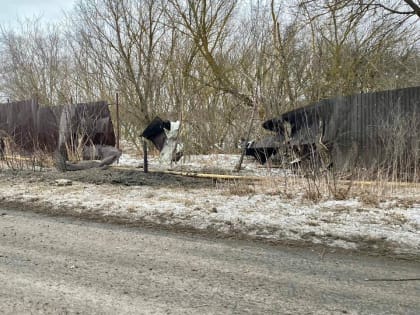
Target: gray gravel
(54,265)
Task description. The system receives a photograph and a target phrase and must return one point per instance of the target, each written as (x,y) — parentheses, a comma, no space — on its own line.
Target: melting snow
(266,212)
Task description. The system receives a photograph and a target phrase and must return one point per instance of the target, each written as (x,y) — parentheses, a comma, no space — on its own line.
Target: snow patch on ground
(340,223)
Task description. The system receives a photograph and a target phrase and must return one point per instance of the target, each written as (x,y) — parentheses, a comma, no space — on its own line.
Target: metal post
(145,163)
(248,134)
(118,120)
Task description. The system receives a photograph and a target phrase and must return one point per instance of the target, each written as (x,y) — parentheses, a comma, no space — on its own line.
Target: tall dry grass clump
(14,158)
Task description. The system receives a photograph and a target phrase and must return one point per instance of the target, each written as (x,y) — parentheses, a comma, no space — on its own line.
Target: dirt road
(54,265)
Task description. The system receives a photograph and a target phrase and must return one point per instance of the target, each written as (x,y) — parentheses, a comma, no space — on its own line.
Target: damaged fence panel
(164,135)
(85,124)
(77,131)
(86,132)
(379,130)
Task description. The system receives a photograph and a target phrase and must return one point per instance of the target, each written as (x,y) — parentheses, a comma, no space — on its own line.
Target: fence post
(145,162)
(118,120)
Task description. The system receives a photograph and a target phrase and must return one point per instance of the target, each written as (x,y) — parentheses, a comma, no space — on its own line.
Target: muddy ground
(113,176)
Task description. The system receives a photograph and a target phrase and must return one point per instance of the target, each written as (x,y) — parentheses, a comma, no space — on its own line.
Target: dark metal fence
(371,130)
(30,127)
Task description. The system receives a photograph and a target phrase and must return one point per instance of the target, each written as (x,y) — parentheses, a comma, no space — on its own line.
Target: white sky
(48,10)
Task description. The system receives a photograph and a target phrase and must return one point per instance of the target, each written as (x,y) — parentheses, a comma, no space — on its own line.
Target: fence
(379,130)
(29,127)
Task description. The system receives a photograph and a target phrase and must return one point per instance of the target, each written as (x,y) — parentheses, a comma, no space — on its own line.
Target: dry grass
(369,199)
(407,202)
(370,193)
(15,161)
(241,189)
(312,195)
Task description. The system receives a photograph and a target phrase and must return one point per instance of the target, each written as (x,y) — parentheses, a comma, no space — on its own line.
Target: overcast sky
(49,10)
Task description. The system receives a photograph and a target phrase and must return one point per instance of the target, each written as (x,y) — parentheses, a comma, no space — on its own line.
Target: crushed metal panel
(85,124)
(263,149)
(164,135)
(86,131)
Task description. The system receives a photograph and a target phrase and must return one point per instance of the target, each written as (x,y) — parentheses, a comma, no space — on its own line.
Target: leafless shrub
(321,180)
(12,158)
(400,147)
(313,195)
(16,158)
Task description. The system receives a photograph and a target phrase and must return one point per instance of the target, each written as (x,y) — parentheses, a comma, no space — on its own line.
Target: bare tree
(350,48)
(34,63)
(406,8)
(121,43)
(220,66)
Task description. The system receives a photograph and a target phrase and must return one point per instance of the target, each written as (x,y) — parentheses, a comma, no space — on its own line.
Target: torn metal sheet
(263,149)
(85,124)
(86,130)
(164,135)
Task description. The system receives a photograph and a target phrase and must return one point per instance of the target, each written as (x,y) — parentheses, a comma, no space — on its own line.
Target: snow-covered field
(275,206)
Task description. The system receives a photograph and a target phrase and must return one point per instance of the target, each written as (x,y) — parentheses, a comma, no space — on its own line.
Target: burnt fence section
(378,133)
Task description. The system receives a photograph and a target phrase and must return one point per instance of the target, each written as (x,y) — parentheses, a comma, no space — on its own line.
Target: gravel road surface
(54,265)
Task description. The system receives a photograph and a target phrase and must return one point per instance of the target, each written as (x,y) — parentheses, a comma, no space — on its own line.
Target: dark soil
(115,176)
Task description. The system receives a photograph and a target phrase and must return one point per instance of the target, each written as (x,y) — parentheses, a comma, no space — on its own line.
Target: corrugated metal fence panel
(361,121)
(17,122)
(356,120)
(375,116)
(33,127)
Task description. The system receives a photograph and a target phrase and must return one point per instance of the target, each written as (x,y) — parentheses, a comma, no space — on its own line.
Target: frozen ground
(271,205)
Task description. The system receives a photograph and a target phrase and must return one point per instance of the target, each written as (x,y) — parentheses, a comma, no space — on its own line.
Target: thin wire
(389,279)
